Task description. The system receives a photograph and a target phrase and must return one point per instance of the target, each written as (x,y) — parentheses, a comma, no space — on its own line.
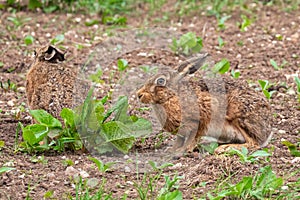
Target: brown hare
(243,119)
(49,81)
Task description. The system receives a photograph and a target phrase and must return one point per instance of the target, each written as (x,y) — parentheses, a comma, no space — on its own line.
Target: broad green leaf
(28,40)
(245,184)
(34,4)
(45,118)
(175,195)
(99,112)
(68,116)
(122,64)
(140,128)
(35,133)
(53,133)
(118,134)
(222,67)
(292,148)
(6,169)
(297,80)
(92,22)
(188,40)
(260,153)
(263,84)
(121,110)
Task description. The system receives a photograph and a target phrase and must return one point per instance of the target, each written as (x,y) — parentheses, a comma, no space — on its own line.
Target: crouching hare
(246,118)
(50,81)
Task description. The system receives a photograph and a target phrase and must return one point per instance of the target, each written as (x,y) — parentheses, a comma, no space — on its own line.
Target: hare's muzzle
(143,96)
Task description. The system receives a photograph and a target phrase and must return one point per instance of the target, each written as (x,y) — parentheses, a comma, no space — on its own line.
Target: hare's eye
(34,53)
(160,82)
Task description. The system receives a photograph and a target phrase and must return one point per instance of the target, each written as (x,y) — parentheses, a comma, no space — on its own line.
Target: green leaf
(274,64)
(292,148)
(2,144)
(34,4)
(68,116)
(28,40)
(35,133)
(6,169)
(1,64)
(58,39)
(92,22)
(263,84)
(175,195)
(45,118)
(99,112)
(260,153)
(221,42)
(297,80)
(139,128)
(121,110)
(222,67)
(118,134)
(122,64)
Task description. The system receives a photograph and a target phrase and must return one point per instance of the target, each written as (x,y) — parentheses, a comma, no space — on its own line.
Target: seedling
(244,157)
(58,39)
(221,67)
(96,77)
(277,66)
(122,65)
(28,40)
(148,69)
(222,20)
(292,148)
(235,74)
(102,167)
(245,23)
(187,44)
(265,85)
(18,21)
(297,80)
(8,86)
(6,169)
(263,185)
(221,42)
(210,148)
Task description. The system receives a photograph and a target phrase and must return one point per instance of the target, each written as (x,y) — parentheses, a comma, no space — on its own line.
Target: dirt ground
(249,52)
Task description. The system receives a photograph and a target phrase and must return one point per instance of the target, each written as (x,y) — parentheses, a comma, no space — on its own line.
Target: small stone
(281,131)
(126,157)
(10,103)
(127,169)
(296,160)
(84,174)
(71,171)
(176,166)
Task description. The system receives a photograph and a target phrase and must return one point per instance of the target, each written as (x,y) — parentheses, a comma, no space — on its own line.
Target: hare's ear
(54,55)
(191,65)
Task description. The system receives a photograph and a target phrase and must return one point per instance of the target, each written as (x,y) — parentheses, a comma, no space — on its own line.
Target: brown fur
(50,82)
(246,120)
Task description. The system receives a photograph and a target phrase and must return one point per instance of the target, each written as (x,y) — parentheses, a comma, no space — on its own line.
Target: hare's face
(157,90)
(162,87)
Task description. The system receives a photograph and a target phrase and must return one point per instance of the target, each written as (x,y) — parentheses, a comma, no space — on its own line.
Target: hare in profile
(246,114)
(49,81)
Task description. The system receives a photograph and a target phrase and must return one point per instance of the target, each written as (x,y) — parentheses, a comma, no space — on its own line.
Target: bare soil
(249,52)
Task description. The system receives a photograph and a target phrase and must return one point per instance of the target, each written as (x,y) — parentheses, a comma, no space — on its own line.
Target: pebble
(176,166)
(296,160)
(10,103)
(281,131)
(126,157)
(71,171)
(127,169)
(84,174)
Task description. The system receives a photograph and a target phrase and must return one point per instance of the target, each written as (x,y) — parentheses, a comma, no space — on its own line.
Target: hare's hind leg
(250,143)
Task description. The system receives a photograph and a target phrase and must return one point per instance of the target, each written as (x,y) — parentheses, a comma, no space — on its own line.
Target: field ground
(274,34)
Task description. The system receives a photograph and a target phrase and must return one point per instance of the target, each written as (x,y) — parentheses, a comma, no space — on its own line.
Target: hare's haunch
(246,118)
